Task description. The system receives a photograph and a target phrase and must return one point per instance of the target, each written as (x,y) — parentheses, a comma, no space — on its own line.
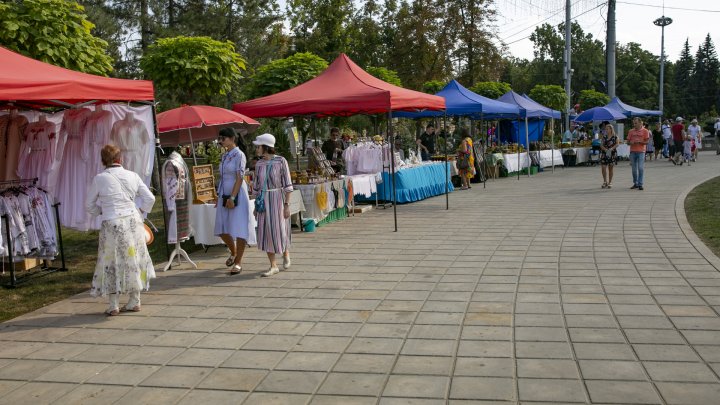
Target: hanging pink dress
(12,127)
(37,153)
(72,183)
(98,129)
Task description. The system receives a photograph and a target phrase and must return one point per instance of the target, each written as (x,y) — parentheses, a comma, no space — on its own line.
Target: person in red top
(678,136)
(638,138)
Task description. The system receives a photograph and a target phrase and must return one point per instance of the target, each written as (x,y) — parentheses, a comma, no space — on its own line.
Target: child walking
(687,149)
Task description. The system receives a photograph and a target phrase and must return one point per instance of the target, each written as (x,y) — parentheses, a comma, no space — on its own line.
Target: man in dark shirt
(426,142)
(332,146)
(678,136)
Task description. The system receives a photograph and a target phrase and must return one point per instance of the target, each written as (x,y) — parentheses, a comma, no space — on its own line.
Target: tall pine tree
(683,82)
(705,77)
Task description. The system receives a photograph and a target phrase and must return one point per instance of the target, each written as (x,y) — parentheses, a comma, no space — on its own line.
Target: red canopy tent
(342,89)
(30,82)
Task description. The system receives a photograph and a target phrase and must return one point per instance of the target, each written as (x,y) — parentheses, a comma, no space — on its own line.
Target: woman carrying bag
(272,186)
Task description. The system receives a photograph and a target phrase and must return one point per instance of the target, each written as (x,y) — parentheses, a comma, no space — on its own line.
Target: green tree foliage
(588,58)
(549,95)
(705,77)
(283,74)
(491,89)
(368,42)
(469,21)
(518,72)
(683,82)
(193,69)
(321,26)
(53,31)
(638,76)
(591,98)
(433,86)
(386,75)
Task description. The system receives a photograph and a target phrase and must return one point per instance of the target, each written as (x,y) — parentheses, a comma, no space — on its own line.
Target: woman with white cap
(695,133)
(272,187)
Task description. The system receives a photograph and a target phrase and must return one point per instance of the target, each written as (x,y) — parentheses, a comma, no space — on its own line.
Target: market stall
(52,140)
(343,89)
(415,183)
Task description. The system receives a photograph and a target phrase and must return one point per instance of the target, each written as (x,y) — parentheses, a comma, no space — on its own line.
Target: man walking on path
(638,138)
(678,136)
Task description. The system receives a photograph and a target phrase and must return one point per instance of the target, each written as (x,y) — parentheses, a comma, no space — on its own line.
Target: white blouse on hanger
(131,136)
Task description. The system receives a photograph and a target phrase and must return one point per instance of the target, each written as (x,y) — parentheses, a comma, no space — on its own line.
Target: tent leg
(518,150)
(527,145)
(391,137)
(552,143)
(447,168)
(157,173)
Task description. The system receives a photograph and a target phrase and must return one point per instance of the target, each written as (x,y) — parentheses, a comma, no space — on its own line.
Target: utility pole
(610,46)
(567,72)
(662,22)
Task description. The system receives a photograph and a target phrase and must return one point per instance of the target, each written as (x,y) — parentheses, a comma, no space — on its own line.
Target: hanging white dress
(131,136)
(72,175)
(37,153)
(99,127)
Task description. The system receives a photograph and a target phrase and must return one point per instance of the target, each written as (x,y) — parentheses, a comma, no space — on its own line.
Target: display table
(582,155)
(312,210)
(416,183)
(548,158)
(510,161)
(623,150)
(202,219)
(364,184)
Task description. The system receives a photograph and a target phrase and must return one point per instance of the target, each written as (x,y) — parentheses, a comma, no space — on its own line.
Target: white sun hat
(265,139)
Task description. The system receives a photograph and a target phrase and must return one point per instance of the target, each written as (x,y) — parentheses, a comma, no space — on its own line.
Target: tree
(474,47)
(705,77)
(283,74)
(368,46)
(193,69)
(682,81)
(638,73)
(491,90)
(321,26)
(433,86)
(386,75)
(517,72)
(591,98)
(551,95)
(56,32)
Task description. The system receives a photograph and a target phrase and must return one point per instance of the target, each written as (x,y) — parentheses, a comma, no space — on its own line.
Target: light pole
(662,22)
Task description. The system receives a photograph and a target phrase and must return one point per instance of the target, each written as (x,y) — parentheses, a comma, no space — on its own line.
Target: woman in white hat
(695,133)
(272,187)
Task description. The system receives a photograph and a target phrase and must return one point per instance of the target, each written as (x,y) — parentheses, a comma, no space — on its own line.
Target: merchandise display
(31,223)
(37,152)
(177,194)
(12,128)
(325,202)
(415,183)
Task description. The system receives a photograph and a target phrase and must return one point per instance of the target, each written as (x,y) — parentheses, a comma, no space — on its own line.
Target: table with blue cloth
(414,183)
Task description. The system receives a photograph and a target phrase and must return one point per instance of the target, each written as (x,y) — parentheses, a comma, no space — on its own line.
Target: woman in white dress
(123,264)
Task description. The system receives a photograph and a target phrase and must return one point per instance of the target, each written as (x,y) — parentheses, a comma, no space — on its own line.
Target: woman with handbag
(123,263)
(272,186)
(465,160)
(234,223)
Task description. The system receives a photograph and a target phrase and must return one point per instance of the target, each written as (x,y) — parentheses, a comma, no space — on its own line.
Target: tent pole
(192,147)
(517,137)
(156,169)
(447,168)
(527,145)
(391,137)
(484,151)
(552,143)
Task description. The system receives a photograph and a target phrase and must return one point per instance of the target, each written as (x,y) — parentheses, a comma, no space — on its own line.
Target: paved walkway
(540,290)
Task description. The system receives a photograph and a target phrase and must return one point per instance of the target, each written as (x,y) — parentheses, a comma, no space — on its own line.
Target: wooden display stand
(318,162)
(203,184)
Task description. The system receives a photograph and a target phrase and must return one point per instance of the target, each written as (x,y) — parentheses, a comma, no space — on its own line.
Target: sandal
(604,185)
(230,261)
(236,269)
(112,312)
(136,308)
(609,185)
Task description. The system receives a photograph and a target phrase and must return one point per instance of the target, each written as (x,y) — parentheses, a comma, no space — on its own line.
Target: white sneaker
(272,271)
(286,262)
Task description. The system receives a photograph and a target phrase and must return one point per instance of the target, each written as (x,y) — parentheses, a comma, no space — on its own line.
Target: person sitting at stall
(426,142)
(332,146)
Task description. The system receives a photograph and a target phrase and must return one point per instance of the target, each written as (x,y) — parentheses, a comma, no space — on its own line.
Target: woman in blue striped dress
(272,187)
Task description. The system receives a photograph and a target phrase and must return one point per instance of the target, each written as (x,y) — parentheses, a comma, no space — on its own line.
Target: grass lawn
(80,256)
(702,208)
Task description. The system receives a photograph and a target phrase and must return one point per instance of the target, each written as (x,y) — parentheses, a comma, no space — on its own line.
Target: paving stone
(152,355)
(37,393)
(301,382)
(484,367)
(89,394)
(423,365)
(540,334)
(212,397)
(178,377)
(123,374)
(547,368)
(665,352)
(482,388)
(262,398)
(551,390)
(253,359)
(339,399)
(486,333)
(232,379)
(365,363)
(484,348)
(353,384)
(151,395)
(622,392)
(428,347)
(611,370)
(543,350)
(679,372)
(71,372)
(416,386)
(201,357)
(375,346)
(384,330)
(26,369)
(603,351)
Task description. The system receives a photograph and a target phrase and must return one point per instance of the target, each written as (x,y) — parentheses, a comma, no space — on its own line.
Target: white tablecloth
(364,184)
(582,155)
(510,161)
(547,156)
(202,219)
(309,192)
(623,150)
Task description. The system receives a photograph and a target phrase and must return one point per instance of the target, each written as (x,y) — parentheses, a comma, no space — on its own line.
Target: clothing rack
(44,268)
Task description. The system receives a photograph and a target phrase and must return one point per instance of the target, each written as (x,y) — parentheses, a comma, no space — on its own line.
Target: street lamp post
(662,22)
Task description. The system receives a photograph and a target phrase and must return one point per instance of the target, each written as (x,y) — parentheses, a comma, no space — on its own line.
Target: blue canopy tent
(460,101)
(529,109)
(630,111)
(596,114)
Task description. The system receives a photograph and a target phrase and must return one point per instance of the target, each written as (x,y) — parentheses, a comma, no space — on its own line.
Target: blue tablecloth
(414,184)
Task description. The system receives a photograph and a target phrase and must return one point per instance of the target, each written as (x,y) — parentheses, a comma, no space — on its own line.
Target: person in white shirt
(717,127)
(695,133)
(667,137)
(119,197)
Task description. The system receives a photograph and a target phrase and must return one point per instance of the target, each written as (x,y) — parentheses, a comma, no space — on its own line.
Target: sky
(517,19)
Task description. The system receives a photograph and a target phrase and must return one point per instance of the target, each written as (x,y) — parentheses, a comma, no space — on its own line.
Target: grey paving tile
(340,399)
(423,365)
(212,397)
(416,386)
(253,359)
(261,398)
(543,350)
(547,368)
(300,382)
(551,390)
(89,394)
(622,392)
(679,372)
(484,367)
(177,377)
(26,369)
(365,363)
(482,388)
(611,370)
(232,379)
(665,352)
(308,361)
(71,372)
(37,393)
(353,384)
